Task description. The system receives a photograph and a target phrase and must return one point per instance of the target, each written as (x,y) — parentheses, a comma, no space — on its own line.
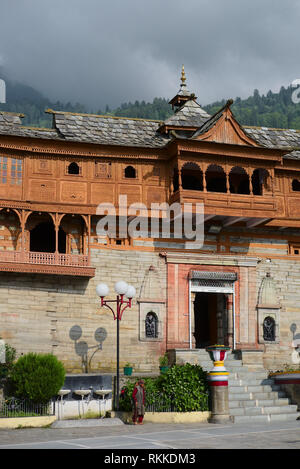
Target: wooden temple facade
(241,288)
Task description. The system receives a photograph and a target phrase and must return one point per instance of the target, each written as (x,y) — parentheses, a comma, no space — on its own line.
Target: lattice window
(16,172)
(211,283)
(3,170)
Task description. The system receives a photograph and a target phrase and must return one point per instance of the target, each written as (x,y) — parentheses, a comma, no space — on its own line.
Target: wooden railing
(44,258)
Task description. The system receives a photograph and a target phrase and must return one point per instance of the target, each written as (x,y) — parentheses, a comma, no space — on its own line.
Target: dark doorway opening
(42,238)
(210,319)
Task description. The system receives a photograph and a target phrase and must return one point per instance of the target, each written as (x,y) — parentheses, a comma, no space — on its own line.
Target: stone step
(288,409)
(258,403)
(251,389)
(263,418)
(263,374)
(248,380)
(266,395)
(272,402)
(284,417)
(249,418)
(249,411)
(241,403)
(242,396)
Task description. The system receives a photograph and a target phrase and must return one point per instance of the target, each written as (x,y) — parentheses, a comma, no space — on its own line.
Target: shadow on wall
(82,348)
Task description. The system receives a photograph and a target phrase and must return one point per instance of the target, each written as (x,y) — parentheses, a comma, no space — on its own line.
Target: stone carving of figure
(269,329)
(150,325)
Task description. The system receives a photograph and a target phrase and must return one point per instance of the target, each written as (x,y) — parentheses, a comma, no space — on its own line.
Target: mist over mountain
(271,110)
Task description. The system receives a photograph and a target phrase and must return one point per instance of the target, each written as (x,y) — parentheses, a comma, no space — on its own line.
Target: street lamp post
(123,290)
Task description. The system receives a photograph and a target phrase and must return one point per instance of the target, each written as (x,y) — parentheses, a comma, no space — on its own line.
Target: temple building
(239,288)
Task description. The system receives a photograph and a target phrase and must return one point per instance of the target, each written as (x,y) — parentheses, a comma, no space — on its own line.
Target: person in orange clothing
(138,398)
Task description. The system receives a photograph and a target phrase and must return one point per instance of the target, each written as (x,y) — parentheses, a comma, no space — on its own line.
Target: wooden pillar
(89,239)
(250,173)
(56,227)
(192,318)
(230,319)
(204,168)
(179,179)
(227,182)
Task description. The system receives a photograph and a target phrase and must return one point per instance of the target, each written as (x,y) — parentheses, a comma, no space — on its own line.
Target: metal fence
(13,407)
(159,403)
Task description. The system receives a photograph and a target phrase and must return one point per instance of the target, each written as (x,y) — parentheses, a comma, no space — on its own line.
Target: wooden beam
(232,220)
(256,222)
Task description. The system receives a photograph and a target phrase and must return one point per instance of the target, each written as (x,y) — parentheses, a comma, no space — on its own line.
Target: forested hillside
(270,110)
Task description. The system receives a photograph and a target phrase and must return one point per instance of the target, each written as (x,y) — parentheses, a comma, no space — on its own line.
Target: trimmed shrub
(186,387)
(182,387)
(37,377)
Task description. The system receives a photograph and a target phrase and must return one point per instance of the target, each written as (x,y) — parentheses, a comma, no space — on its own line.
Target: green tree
(37,377)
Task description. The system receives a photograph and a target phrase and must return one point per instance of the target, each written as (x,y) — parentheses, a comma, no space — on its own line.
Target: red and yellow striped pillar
(218,382)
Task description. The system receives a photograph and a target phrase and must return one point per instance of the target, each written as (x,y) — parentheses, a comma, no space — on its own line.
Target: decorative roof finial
(183,78)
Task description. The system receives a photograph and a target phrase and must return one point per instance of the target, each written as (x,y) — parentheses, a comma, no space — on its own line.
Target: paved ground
(285,435)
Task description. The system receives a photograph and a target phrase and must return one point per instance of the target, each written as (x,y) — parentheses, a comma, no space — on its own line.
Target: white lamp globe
(102,289)
(121,287)
(130,292)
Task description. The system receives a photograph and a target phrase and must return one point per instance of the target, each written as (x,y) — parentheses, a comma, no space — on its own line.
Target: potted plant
(128,369)
(163,363)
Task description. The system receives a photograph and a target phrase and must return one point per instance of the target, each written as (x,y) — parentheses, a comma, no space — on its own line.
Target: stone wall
(286,275)
(37,313)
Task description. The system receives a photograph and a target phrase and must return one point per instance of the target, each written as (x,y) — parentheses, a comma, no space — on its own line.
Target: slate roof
(11,125)
(274,138)
(123,131)
(190,114)
(109,130)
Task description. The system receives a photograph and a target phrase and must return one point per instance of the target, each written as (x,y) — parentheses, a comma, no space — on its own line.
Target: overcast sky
(100,52)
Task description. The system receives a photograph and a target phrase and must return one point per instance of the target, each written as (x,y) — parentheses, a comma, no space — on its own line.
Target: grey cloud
(102,52)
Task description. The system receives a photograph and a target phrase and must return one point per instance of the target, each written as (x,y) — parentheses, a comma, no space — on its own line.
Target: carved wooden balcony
(233,206)
(46,263)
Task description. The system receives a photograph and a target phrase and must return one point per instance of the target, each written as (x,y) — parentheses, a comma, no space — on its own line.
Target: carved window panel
(103,170)
(43,166)
(41,189)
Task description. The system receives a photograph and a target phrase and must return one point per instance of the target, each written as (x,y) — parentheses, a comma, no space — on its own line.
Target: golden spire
(183,78)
